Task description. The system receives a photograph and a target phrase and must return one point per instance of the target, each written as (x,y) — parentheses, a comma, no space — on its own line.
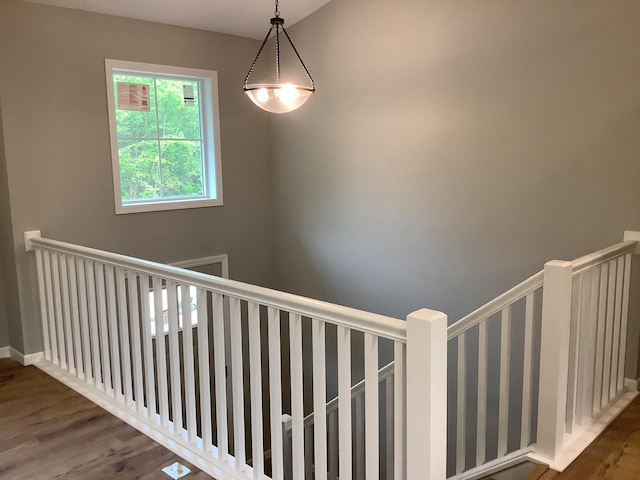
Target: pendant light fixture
(280,96)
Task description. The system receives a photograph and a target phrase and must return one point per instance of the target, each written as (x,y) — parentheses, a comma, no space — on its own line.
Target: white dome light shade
(278,98)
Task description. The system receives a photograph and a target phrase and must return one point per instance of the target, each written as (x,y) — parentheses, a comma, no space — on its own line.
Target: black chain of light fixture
(277,23)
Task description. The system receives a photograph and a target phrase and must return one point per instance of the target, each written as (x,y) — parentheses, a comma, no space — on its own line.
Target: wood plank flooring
(49,432)
(614,455)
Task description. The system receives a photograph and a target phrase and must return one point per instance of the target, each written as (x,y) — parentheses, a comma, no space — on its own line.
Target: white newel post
(426,395)
(554,358)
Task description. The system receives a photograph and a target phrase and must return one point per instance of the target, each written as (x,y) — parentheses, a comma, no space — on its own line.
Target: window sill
(177,204)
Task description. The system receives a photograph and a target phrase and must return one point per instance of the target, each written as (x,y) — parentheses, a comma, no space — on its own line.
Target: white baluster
(189,365)
(608,337)
(147,340)
(372,408)
(481,413)
(319,400)
(617,327)
(255,378)
(574,351)
(93,321)
(124,341)
(42,292)
(297,411)
(112,325)
(219,372)
(237,384)
(527,372)
(161,352)
(625,321)
(461,427)
(399,411)
(66,313)
(55,278)
(75,315)
(388,419)
(275,390)
(104,329)
(174,357)
(603,280)
(344,401)
(51,315)
(287,422)
(593,362)
(137,344)
(358,403)
(505,367)
(84,320)
(205,385)
(587,351)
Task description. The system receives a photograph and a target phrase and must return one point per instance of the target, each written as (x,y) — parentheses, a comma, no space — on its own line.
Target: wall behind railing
(454,147)
(7,263)
(58,163)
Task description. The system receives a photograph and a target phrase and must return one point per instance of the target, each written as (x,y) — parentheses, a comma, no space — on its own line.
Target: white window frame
(210,124)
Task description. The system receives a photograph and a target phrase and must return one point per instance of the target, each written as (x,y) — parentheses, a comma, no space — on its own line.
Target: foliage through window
(164,136)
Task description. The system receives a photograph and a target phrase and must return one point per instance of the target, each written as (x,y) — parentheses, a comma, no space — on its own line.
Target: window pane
(139,170)
(131,123)
(182,171)
(178,109)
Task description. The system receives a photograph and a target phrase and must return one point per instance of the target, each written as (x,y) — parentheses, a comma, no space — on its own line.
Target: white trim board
(497,465)
(222,259)
(26,360)
(29,359)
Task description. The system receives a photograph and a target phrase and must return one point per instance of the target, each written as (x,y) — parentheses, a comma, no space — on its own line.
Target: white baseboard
(631,385)
(29,359)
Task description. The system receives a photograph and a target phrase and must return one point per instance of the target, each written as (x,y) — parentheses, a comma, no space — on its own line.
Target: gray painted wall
(8,284)
(52,87)
(454,147)
(4,331)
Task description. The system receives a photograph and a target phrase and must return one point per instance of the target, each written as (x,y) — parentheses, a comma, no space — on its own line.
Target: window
(165,137)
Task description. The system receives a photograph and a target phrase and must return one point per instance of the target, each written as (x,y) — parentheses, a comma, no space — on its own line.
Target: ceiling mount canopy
(280,95)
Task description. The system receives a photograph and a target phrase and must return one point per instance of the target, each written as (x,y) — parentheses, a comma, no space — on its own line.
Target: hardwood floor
(614,455)
(48,431)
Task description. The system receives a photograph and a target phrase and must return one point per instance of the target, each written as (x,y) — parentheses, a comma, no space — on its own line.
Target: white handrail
(494,306)
(379,325)
(581,264)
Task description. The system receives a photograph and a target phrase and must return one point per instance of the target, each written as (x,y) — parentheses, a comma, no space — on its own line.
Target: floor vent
(176,470)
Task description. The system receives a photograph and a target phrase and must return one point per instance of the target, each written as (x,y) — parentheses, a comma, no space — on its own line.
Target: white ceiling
(248,18)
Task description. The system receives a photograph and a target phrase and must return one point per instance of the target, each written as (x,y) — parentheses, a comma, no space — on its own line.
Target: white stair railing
(147,342)
(564,330)
(529,372)
(485,342)
(584,334)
